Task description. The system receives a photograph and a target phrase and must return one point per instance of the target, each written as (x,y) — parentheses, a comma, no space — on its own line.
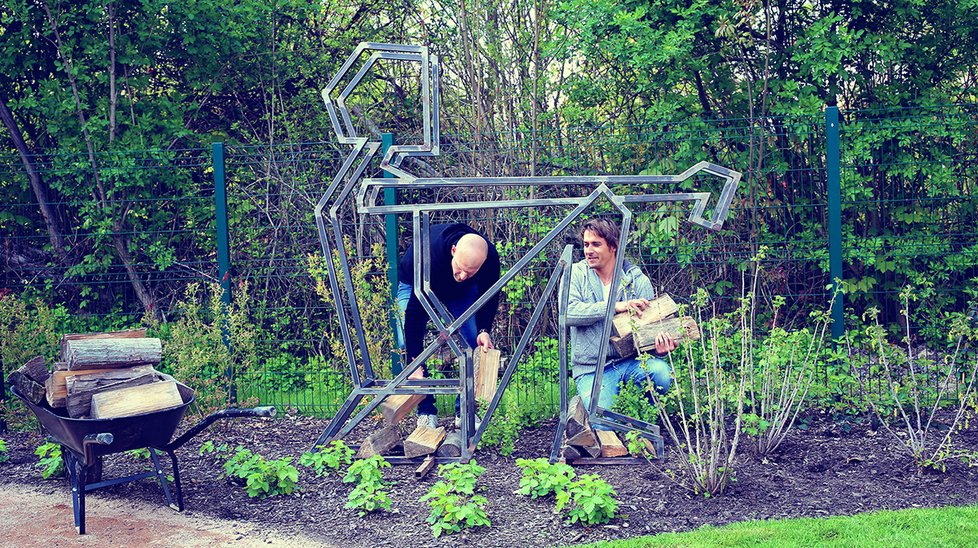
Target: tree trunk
(37,183)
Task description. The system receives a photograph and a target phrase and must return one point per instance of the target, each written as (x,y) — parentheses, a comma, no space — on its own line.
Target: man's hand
(664,343)
(484,341)
(636,306)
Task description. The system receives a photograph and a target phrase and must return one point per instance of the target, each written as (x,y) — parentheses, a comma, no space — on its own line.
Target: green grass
(951,526)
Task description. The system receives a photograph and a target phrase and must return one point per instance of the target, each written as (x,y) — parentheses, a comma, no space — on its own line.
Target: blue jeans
(456,307)
(625,371)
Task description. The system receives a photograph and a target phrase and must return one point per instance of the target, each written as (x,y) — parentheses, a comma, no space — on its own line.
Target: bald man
(464,264)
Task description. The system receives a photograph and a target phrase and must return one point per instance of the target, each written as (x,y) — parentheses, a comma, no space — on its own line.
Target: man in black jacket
(464,264)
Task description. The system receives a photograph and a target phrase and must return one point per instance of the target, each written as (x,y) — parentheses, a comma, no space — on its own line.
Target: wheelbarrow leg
(163,481)
(76,478)
(178,490)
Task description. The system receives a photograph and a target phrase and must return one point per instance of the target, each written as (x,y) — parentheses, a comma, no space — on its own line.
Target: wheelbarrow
(85,441)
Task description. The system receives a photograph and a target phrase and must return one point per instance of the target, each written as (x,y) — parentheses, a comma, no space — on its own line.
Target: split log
(380,441)
(112,353)
(487,374)
(36,369)
(423,441)
(451,446)
(611,445)
(395,408)
(60,366)
(660,308)
(57,385)
(579,431)
(26,387)
(684,328)
(127,334)
(136,400)
(625,346)
(570,453)
(81,388)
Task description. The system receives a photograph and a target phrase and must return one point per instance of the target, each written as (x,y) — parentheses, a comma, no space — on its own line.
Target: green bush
(590,501)
(328,457)
(4,457)
(540,478)
(263,478)
(50,461)
(370,493)
(453,502)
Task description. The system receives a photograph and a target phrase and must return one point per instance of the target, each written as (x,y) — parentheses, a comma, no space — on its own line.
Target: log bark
(57,385)
(380,441)
(579,431)
(127,334)
(395,408)
(26,387)
(451,446)
(423,441)
(36,369)
(487,374)
(684,328)
(625,346)
(661,308)
(136,400)
(82,388)
(113,353)
(611,445)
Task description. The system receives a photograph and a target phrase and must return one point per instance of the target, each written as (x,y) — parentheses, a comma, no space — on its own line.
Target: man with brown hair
(590,289)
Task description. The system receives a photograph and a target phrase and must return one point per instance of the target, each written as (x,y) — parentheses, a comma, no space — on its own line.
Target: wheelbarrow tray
(154,429)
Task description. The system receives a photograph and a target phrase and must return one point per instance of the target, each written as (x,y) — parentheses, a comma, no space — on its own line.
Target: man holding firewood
(464,265)
(590,289)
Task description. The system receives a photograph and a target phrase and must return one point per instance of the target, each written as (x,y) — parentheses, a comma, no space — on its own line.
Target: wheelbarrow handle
(265,411)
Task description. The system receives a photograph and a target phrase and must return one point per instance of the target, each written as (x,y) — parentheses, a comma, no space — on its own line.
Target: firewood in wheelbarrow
(112,353)
(127,334)
(81,388)
(26,387)
(36,369)
(57,385)
(136,400)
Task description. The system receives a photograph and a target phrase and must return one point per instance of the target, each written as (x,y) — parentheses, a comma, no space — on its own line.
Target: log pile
(583,441)
(633,335)
(100,376)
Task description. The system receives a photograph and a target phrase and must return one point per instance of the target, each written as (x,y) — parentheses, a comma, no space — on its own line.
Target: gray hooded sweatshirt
(586,309)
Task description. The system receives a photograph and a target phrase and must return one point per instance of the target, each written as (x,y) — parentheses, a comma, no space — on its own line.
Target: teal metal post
(833,172)
(390,224)
(223,247)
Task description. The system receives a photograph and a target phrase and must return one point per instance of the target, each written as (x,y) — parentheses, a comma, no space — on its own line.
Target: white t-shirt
(607,291)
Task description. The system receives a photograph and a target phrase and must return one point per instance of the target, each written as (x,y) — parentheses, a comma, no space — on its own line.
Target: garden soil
(828,467)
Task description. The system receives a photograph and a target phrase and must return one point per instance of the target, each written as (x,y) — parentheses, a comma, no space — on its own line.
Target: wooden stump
(380,441)
(395,408)
(112,353)
(136,400)
(611,445)
(423,441)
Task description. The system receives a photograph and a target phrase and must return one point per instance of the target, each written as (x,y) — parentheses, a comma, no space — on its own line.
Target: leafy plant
(370,493)
(263,478)
(328,457)
(589,500)
(454,504)
(541,478)
(504,428)
(50,461)
(4,457)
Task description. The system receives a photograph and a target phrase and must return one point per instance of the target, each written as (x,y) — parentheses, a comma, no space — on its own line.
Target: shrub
(370,493)
(263,478)
(454,504)
(328,457)
(590,500)
(540,478)
(4,457)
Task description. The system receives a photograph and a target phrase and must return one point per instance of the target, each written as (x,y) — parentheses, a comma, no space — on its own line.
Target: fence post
(390,225)
(833,173)
(223,248)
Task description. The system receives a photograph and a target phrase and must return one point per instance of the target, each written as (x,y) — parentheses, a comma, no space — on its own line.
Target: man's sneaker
(458,421)
(428,421)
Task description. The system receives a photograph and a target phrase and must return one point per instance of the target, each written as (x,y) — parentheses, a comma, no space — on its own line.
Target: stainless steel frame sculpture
(350,175)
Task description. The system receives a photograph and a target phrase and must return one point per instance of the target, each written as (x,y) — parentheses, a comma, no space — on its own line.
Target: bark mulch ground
(830,468)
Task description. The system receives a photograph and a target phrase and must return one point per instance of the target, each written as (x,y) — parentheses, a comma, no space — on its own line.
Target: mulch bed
(831,468)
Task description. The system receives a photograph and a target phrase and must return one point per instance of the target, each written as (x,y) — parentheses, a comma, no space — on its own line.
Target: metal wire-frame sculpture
(350,175)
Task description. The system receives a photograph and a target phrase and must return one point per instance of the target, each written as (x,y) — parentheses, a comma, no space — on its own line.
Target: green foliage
(139,454)
(454,504)
(328,457)
(589,501)
(503,429)
(209,342)
(4,457)
(49,460)
(370,493)
(540,478)
(632,400)
(263,478)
